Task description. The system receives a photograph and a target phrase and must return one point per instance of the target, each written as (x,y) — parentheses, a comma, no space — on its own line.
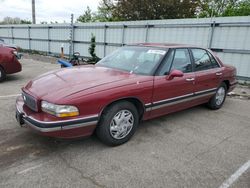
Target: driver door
(174,94)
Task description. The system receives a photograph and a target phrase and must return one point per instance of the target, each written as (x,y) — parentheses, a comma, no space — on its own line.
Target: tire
(218,99)
(2,74)
(113,130)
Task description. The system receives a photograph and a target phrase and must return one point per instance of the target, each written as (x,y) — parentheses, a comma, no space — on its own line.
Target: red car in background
(134,83)
(9,63)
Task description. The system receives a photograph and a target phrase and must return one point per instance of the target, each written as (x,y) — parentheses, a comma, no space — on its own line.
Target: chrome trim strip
(42,129)
(59,128)
(165,100)
(63,121)
(180,101)
(148,104)
(148,107)
(66,127)
(204,91)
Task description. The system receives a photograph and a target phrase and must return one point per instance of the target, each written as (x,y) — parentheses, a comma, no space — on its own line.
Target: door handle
(218,73)
(190,79)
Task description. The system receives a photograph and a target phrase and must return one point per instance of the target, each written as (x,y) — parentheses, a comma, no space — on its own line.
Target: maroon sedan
(134,83)
(9,63)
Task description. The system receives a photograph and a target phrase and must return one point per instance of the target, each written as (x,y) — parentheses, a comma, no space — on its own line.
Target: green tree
(86,17)
(26,22)
(215,8)
(94,58)
(242,8)
(105,11)
(16,20)
(153,9)
(128,10)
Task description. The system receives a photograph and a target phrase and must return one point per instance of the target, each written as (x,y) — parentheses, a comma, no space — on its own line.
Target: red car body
(8,60)
(94,88)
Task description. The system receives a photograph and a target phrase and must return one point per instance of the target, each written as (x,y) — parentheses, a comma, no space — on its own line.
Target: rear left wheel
(218,99)
(118,123)
(2,74)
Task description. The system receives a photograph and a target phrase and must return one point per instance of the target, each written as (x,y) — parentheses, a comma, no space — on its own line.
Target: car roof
(164,45)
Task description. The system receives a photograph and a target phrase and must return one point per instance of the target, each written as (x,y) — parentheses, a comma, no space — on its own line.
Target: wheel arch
(3,75)
(227,84)
(2,67)
(134,100)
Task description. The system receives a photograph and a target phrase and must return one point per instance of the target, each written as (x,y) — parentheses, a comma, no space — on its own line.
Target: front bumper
(71,128)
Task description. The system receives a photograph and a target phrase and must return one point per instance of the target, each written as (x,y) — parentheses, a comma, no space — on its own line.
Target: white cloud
(46,10)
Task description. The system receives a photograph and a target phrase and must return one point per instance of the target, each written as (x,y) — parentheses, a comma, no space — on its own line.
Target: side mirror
(175,73)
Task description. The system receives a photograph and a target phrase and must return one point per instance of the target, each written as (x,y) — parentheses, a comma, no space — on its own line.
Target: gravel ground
(192,148)
(241,92)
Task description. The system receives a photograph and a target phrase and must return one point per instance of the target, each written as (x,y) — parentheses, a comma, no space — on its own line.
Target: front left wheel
(118,123)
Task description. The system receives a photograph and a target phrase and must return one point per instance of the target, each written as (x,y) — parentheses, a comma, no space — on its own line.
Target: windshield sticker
(160,52)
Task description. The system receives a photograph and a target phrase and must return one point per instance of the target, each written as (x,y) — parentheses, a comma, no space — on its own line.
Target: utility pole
(71,36)
(33,12)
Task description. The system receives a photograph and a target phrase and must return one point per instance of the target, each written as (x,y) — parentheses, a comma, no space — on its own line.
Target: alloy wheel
(121,124)
(220,95)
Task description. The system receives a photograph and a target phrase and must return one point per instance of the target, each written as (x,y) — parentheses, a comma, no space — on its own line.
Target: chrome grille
(30,101)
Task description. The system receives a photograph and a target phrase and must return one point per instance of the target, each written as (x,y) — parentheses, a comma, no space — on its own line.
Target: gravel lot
(192,148)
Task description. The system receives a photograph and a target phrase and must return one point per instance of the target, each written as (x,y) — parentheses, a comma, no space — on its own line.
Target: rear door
(208,73)
(173,95)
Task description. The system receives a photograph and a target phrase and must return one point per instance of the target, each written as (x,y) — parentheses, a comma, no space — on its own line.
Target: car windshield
(138,60)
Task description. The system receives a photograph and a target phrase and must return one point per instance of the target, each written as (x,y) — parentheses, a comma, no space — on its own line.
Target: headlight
(59,110)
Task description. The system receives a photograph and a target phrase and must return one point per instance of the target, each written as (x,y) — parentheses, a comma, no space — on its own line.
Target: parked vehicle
(9,63)
(134,83)
(3,43)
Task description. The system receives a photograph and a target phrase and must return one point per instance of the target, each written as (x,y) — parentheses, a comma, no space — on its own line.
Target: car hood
(62,83)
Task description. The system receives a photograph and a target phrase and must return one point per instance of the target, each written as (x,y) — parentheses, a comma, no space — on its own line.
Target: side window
(201,60)
(182,61)
(213,61)
(166,64)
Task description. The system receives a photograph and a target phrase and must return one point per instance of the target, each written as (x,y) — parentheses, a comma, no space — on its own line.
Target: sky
(46,10)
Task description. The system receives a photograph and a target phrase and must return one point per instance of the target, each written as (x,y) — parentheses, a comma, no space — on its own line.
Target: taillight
(15,52)
(18,55)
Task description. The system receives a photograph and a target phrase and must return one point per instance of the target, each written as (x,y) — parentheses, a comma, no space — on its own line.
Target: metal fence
(229,37)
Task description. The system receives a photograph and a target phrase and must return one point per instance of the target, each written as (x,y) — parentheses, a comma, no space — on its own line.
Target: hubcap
(220,95)
(121,124)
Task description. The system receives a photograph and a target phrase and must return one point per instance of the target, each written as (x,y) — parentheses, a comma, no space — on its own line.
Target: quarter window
(203,60)
(213,61)
(182,61)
